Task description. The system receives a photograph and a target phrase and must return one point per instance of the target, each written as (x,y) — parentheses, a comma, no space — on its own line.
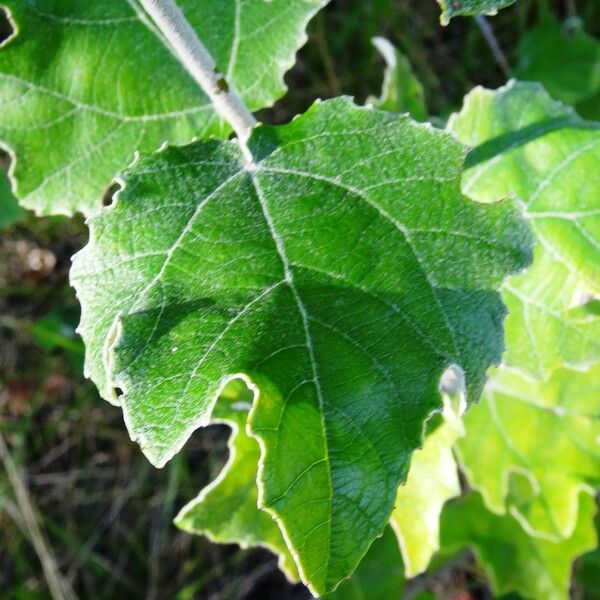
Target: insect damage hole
(7,27)
(108,198)
(6,167)
(5,161)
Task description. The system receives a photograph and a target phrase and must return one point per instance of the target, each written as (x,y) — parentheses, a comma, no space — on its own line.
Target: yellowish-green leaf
(545,433)
(530,147)
(432,480)
(226,511)
(532,445)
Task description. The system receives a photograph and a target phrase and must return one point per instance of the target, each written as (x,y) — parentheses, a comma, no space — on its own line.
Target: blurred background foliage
(78,501)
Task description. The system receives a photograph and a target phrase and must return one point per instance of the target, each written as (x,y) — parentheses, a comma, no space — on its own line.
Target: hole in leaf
(118,392)
(238,391)
(5,161)
(7,28)
(108,197)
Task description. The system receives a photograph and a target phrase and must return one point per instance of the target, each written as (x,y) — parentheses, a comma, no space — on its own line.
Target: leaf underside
(557,454)
(341,271)
(531,147)
(84,85)
(432,480)
(514,560)
(226,510)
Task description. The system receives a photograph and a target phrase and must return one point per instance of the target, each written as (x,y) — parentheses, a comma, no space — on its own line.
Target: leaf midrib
(289,278)
(253,170)
(397,224)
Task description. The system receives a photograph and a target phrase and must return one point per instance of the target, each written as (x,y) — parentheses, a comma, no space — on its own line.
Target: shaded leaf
(379,576)
(536,568)
(586,573)
(339,271)
(566,60)
(10,211)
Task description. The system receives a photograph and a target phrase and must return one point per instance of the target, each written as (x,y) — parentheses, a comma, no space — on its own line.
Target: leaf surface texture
(83,85)
(341,271)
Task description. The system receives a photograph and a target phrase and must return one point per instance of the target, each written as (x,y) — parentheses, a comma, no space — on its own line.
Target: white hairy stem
(199,63)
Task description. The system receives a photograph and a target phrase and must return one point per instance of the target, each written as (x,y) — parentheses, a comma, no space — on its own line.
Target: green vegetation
(389,304)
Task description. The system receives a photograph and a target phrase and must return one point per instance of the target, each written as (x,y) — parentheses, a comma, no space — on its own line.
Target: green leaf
(10,211)
(432,480)
(379,576)
(528,146)
(557,451)
(566,60)
(226,511)
(536,568)
(84,85)
(455,8)
(401,90)
(341,272)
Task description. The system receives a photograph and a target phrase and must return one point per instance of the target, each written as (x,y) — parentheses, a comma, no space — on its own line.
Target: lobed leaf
(557,453)
(226,511)
(340,270)
(528,146)
(85,85)
(432,480)
(516,562)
